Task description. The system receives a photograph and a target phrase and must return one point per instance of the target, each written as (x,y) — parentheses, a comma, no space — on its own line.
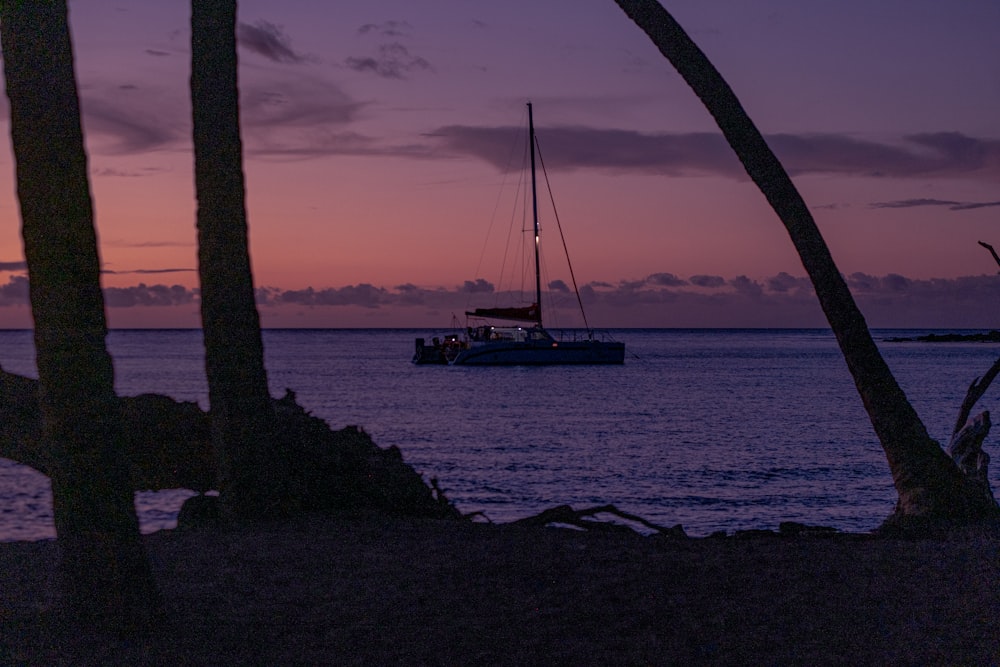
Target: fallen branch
(974,393)
(167,442)
(584,519)
(168,446)
(966,444)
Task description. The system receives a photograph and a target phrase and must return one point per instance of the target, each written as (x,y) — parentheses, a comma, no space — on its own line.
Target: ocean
(711,429)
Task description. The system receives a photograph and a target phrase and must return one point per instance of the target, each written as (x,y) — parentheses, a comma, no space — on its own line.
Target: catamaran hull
(542,354)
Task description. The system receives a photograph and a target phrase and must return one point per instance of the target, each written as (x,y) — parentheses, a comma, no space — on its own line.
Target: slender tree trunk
(106,574)
(251,470)
(927,481)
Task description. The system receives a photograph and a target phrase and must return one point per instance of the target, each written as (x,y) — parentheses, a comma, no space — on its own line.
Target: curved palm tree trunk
(250,473)
(106,575)
(929,484)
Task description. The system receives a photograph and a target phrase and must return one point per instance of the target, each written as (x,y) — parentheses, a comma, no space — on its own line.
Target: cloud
(479,286)
(781,300)
(746,287)
(707,281)
(386,29)
(295,115)
(949,204)
(131,173)
(588,148)
(784,282)
(666,280)
(295,101)
(300,116)
(364,295)
(148,295)
(291,114)
(409,294)
(894,282)
(117,243)
(15,292)
(147,271)
(706,153)
(268,40)
(559,286)
(128,121)
(393,61)
(14,266)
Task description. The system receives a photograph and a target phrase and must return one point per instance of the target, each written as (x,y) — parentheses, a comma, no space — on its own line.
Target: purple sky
(376,135)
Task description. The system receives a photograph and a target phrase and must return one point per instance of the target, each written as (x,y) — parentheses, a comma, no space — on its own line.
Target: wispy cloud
(130,173)
(297,113)
(295,101)
(300,116)
(148,295)
(146,271)
(947,203)
(13,266)
(392,59)
(293,113)
(269,40)
(129,121)
(386,29)
(706,153)
(120,243)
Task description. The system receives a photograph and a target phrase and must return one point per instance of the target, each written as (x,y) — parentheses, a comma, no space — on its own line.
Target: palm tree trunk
(251,473)
(927,481)
(106,574)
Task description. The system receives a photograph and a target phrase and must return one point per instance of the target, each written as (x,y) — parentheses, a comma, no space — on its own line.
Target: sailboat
(525,344)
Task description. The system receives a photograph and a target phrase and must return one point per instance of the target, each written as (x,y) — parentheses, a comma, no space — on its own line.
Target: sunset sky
(376,134)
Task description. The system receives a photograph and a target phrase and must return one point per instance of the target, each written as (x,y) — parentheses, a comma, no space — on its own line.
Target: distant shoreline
(988,337)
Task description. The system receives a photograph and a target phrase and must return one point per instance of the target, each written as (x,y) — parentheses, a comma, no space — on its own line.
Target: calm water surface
(712,429)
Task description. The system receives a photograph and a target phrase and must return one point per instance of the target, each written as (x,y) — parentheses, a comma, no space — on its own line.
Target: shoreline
(378,590)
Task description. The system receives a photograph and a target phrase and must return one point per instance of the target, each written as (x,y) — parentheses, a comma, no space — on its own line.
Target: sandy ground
(376,591)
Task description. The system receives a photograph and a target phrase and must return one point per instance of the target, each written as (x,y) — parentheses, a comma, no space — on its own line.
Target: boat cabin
(487,333)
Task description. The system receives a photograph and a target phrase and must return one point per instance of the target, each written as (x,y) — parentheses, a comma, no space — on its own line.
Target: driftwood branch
(966,444)
(966,450)
(974,393)
(586,519)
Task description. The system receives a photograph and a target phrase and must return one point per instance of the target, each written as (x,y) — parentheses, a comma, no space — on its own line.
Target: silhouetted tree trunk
(928,482)
(251,470)
(106,575)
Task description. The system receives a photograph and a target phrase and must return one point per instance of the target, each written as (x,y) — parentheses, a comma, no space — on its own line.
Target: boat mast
(534,212)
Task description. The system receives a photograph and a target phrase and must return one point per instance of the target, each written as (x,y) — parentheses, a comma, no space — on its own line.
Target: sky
(377,136)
